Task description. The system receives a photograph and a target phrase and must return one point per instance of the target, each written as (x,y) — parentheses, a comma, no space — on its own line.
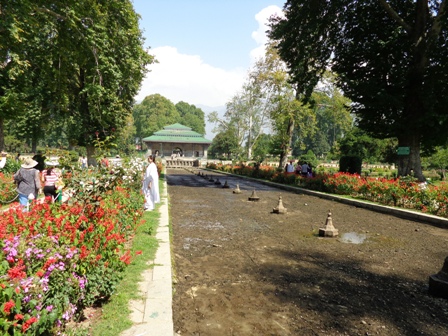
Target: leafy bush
(11,166)
(350,164)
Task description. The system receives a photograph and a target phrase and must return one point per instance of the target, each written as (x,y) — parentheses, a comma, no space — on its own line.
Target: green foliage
(81,64)
(350,164)
(309,158)
(388,63)
(152,114)
(11,166)
(262,147)
(191,116)
(225,143)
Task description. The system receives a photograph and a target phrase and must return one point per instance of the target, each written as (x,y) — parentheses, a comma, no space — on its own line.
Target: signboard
(403,150)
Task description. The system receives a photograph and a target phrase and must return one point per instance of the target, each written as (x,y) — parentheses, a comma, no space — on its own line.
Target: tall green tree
(152,114)
(226,144)
(191,116)
(391,58)
(288,112)
(83,60)
(17,25)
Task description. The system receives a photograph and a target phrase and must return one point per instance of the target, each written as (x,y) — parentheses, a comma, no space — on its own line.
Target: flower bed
(405,193)
(60,258)
(7,188)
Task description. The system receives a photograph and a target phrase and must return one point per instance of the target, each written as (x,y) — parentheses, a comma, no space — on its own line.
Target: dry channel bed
(242,270)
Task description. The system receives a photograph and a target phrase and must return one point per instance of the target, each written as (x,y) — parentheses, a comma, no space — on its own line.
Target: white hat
(29,163)
(51,163)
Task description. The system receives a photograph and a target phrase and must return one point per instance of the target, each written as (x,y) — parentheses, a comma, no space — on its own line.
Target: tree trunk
(2,135)
(91,160)
(34,145)
(287,144)
(406,163)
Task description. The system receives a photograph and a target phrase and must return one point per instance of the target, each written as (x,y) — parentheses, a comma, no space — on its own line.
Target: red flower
(28,323)
(18,317)
(8,306)
(17,271)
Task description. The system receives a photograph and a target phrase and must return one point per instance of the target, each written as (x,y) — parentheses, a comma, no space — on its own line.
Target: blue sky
(204,47)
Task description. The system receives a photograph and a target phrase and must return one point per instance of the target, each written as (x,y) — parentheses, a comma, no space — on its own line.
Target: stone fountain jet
(254,197)
(237,190)
(438,283)
(328,230)
(280,209)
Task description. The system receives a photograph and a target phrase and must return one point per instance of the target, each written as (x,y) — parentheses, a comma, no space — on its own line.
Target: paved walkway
(153,316)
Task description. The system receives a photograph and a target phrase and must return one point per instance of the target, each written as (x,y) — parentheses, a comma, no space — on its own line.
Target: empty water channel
(207,179)
(243,270)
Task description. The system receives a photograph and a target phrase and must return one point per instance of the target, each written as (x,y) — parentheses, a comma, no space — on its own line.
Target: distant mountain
(209,127)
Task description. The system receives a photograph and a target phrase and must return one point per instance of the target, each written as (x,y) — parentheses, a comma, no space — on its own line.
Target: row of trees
(265,117)
(68,68)
(389,58)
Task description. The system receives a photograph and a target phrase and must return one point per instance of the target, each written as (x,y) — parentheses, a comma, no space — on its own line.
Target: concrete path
(153,315)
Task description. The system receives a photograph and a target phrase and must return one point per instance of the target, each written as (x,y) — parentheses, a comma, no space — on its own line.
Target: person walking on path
(27,179)
(151,185)
(49,178)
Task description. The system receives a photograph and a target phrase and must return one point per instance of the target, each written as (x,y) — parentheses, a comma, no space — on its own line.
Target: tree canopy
(83,60)
(191,116)
(391,58)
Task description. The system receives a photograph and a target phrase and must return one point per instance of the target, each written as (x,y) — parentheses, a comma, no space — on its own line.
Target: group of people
(33,177)
(150,185)
(303,169)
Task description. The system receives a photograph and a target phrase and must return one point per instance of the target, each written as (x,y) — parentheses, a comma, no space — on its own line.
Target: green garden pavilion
(177,141)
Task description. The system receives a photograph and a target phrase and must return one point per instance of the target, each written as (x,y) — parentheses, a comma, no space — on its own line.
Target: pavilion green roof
(177,133)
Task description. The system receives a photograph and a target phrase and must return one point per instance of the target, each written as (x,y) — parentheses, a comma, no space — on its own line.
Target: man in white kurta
(151,185)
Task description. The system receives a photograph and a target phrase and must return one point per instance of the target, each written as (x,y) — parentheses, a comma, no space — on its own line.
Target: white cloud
(181,77)
(260,34)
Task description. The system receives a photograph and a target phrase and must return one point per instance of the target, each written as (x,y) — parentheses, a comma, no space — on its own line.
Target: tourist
(290,167)
(305,168)
(298,168)
(105,162)
(3,159)
(18,157)
(27,179)
(151,185)
(83,162)
(310,170)
(49,178)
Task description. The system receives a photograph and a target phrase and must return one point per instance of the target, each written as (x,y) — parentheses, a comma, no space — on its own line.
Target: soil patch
(243,270)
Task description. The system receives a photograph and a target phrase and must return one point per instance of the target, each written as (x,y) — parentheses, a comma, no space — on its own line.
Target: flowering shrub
(60,258)
(7,188)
